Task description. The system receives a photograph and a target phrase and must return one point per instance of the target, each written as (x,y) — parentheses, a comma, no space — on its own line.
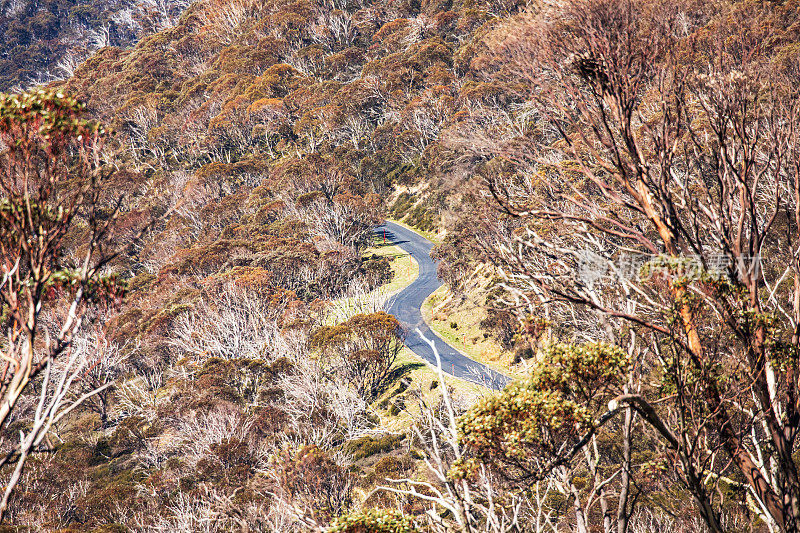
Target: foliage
(48,40)
(628,219)
(374,521)
(54,187)
(272,136)
(268,135)
(311,478)
(532,427)
(365,348)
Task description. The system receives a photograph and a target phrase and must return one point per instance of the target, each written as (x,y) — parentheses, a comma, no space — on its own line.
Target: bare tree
(224,18)
(239,325)
(342,219)
(100,37)
(102,362)
(674,178)
(479,502)
(56,399)
(68,63)
(57,231)
(157,15)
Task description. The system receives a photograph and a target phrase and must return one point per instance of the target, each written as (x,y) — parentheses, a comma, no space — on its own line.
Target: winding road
(406,305)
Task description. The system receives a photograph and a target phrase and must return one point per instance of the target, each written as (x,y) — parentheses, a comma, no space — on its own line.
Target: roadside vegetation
(460,324)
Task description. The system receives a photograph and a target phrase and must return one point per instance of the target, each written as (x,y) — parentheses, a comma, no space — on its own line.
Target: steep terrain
(271,134)
(46,40)
(251,377)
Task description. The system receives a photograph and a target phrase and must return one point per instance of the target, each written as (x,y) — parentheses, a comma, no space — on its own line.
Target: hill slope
(45,40)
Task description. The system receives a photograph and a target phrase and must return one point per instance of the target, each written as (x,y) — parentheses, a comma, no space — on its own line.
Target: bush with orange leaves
(362,350)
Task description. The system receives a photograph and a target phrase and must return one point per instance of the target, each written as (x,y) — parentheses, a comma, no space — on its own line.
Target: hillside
(193,303)
(272,134)
(46,40)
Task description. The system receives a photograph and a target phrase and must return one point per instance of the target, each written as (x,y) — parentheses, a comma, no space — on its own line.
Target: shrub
(369,446)
(374,521)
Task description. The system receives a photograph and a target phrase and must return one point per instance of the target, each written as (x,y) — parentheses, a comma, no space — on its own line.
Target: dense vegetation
(191,337)
(46,39)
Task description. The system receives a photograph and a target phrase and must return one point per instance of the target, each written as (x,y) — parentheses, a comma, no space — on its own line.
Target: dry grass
(440,313)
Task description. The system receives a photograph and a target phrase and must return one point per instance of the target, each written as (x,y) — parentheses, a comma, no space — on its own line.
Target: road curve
(406,305)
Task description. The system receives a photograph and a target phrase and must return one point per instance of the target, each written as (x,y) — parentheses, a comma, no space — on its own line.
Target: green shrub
(374,521)
(401,206)
(369,446)
(421,218)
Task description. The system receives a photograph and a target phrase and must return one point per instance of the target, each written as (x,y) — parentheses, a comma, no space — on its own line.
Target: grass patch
(404,267)
(418,377)
(369,446)
(460,327)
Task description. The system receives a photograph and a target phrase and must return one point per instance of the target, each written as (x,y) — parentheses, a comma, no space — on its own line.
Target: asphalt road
(406,306)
